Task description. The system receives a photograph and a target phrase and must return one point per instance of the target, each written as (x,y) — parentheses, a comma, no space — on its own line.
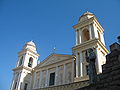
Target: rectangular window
(52,79)
(87,71)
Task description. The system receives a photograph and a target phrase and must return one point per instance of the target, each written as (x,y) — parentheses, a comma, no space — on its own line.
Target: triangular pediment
(54,58)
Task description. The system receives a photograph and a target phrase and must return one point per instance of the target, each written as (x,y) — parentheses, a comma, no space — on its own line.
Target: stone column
(56,75)
(90,31)
(94,30)
(77,65)
(47,82)
(98,63)
(102,38)
(81,64)
(77,37)
(64,74)
(80,36)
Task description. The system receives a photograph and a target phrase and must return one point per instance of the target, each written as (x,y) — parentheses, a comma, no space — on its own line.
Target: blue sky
(48,23)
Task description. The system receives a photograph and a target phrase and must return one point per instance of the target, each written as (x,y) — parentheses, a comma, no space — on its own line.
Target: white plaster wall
(68,75)
(26,60)
(43,81)
(24,73)
(54,65)
(60,75)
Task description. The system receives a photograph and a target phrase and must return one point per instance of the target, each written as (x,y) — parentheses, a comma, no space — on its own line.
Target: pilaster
(102,38)
(90,31)
(46,83)
(80,36)
(73,70)
(56,75)
(81,65)
(64,74)
(77,66)
(40,78)
(76,37)
(98,64)
(95,30)
(34,85)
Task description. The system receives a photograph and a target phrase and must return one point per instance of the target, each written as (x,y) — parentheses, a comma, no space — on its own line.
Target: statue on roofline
(91,59)
(118,39)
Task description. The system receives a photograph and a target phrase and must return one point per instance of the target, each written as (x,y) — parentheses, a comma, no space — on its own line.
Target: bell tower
(89,34)
(27,60)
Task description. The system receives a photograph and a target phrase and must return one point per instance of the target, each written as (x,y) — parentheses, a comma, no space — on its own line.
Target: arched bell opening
(85,35)
(30,62)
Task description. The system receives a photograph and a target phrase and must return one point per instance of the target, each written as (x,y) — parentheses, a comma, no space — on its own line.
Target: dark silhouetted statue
(91,58)
(118,39)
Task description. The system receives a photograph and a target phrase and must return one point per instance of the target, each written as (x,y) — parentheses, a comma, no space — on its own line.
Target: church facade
(60,69)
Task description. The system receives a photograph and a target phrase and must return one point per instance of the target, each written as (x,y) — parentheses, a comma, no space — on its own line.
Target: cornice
(53,55)
(84,23)
(101,28)
(22,67)
(37,67)
(87,22)
(25,51)
(103,46)
(87,43)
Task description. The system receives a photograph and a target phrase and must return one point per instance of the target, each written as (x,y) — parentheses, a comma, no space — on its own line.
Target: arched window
(30,62)
(85,35)
(21,60)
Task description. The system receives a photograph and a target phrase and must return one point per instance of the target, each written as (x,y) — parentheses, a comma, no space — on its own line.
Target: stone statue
(90,58)
(118,39)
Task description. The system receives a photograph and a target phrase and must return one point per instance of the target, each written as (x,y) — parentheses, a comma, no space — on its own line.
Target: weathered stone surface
(110,78)
(71,86)
(114,46)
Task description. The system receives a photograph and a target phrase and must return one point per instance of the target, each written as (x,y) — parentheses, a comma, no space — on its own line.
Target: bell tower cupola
(89,34)
(88,28)
(27,61)
(28,56)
